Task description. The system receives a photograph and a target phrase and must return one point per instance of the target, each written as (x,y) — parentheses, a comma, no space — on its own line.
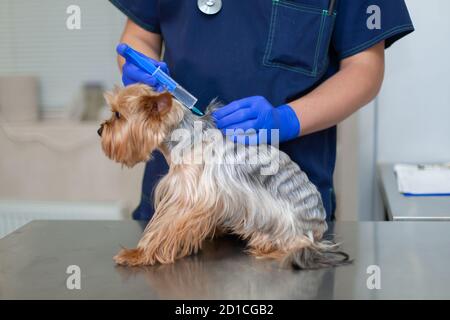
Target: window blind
(34,40)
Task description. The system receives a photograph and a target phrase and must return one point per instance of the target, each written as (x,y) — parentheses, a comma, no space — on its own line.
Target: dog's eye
(117,115)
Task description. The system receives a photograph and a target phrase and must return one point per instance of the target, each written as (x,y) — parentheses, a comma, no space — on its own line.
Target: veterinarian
(300,66)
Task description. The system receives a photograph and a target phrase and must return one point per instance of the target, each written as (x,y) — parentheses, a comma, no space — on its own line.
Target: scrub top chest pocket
(299,37)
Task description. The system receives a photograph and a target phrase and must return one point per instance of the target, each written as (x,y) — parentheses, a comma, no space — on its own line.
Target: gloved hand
(131,74)
(257,113)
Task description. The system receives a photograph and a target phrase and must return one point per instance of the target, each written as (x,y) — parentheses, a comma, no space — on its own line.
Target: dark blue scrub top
(273,48)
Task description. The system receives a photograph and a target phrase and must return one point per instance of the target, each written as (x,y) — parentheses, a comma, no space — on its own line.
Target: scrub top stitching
(375,40)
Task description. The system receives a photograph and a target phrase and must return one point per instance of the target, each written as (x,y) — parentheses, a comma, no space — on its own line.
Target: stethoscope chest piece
(209,6)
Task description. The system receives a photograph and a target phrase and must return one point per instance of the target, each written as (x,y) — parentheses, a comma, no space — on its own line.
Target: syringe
(181,94)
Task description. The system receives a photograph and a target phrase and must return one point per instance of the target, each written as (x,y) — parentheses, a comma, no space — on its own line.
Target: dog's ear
(109,96)
(158,104)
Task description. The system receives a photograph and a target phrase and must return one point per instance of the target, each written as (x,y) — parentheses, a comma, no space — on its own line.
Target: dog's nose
(100,130)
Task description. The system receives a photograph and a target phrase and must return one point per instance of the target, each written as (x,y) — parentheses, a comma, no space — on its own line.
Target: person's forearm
(356,84)
(143,41)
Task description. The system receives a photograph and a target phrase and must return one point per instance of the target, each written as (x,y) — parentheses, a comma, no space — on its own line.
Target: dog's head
(141,120)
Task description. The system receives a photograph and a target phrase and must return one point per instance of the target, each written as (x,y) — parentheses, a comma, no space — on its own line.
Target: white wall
(414,105)
(34,40)
(410,119)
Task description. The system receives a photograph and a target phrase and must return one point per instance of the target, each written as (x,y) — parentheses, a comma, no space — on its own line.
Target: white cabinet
(62,162)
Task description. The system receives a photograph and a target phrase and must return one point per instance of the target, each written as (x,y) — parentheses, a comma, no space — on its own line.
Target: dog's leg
(185,217)
(171,236)
(267,246)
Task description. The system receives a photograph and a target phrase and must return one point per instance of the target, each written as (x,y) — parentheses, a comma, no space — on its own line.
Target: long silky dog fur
(280,215)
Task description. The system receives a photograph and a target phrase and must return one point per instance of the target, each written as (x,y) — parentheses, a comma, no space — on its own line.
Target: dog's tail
(316,255)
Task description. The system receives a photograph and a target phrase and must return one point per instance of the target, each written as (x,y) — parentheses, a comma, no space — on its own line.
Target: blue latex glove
(131,74)
(257,113)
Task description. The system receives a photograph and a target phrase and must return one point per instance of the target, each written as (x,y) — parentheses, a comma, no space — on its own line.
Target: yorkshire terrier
(215,186)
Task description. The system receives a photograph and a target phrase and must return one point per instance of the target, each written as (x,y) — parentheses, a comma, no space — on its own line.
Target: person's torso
(276,49)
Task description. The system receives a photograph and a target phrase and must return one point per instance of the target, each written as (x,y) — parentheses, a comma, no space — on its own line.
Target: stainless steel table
(401,208)
(414,260)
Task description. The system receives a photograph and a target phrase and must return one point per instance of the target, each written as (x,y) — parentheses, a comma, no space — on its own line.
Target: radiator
(15,214)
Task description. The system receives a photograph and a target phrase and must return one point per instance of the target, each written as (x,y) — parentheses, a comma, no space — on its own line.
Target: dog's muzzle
(100,130)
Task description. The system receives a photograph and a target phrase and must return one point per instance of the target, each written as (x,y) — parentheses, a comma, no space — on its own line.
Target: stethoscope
(209,6)
(214,6)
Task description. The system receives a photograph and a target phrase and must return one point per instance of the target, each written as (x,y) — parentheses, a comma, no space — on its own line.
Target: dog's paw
(130,257)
